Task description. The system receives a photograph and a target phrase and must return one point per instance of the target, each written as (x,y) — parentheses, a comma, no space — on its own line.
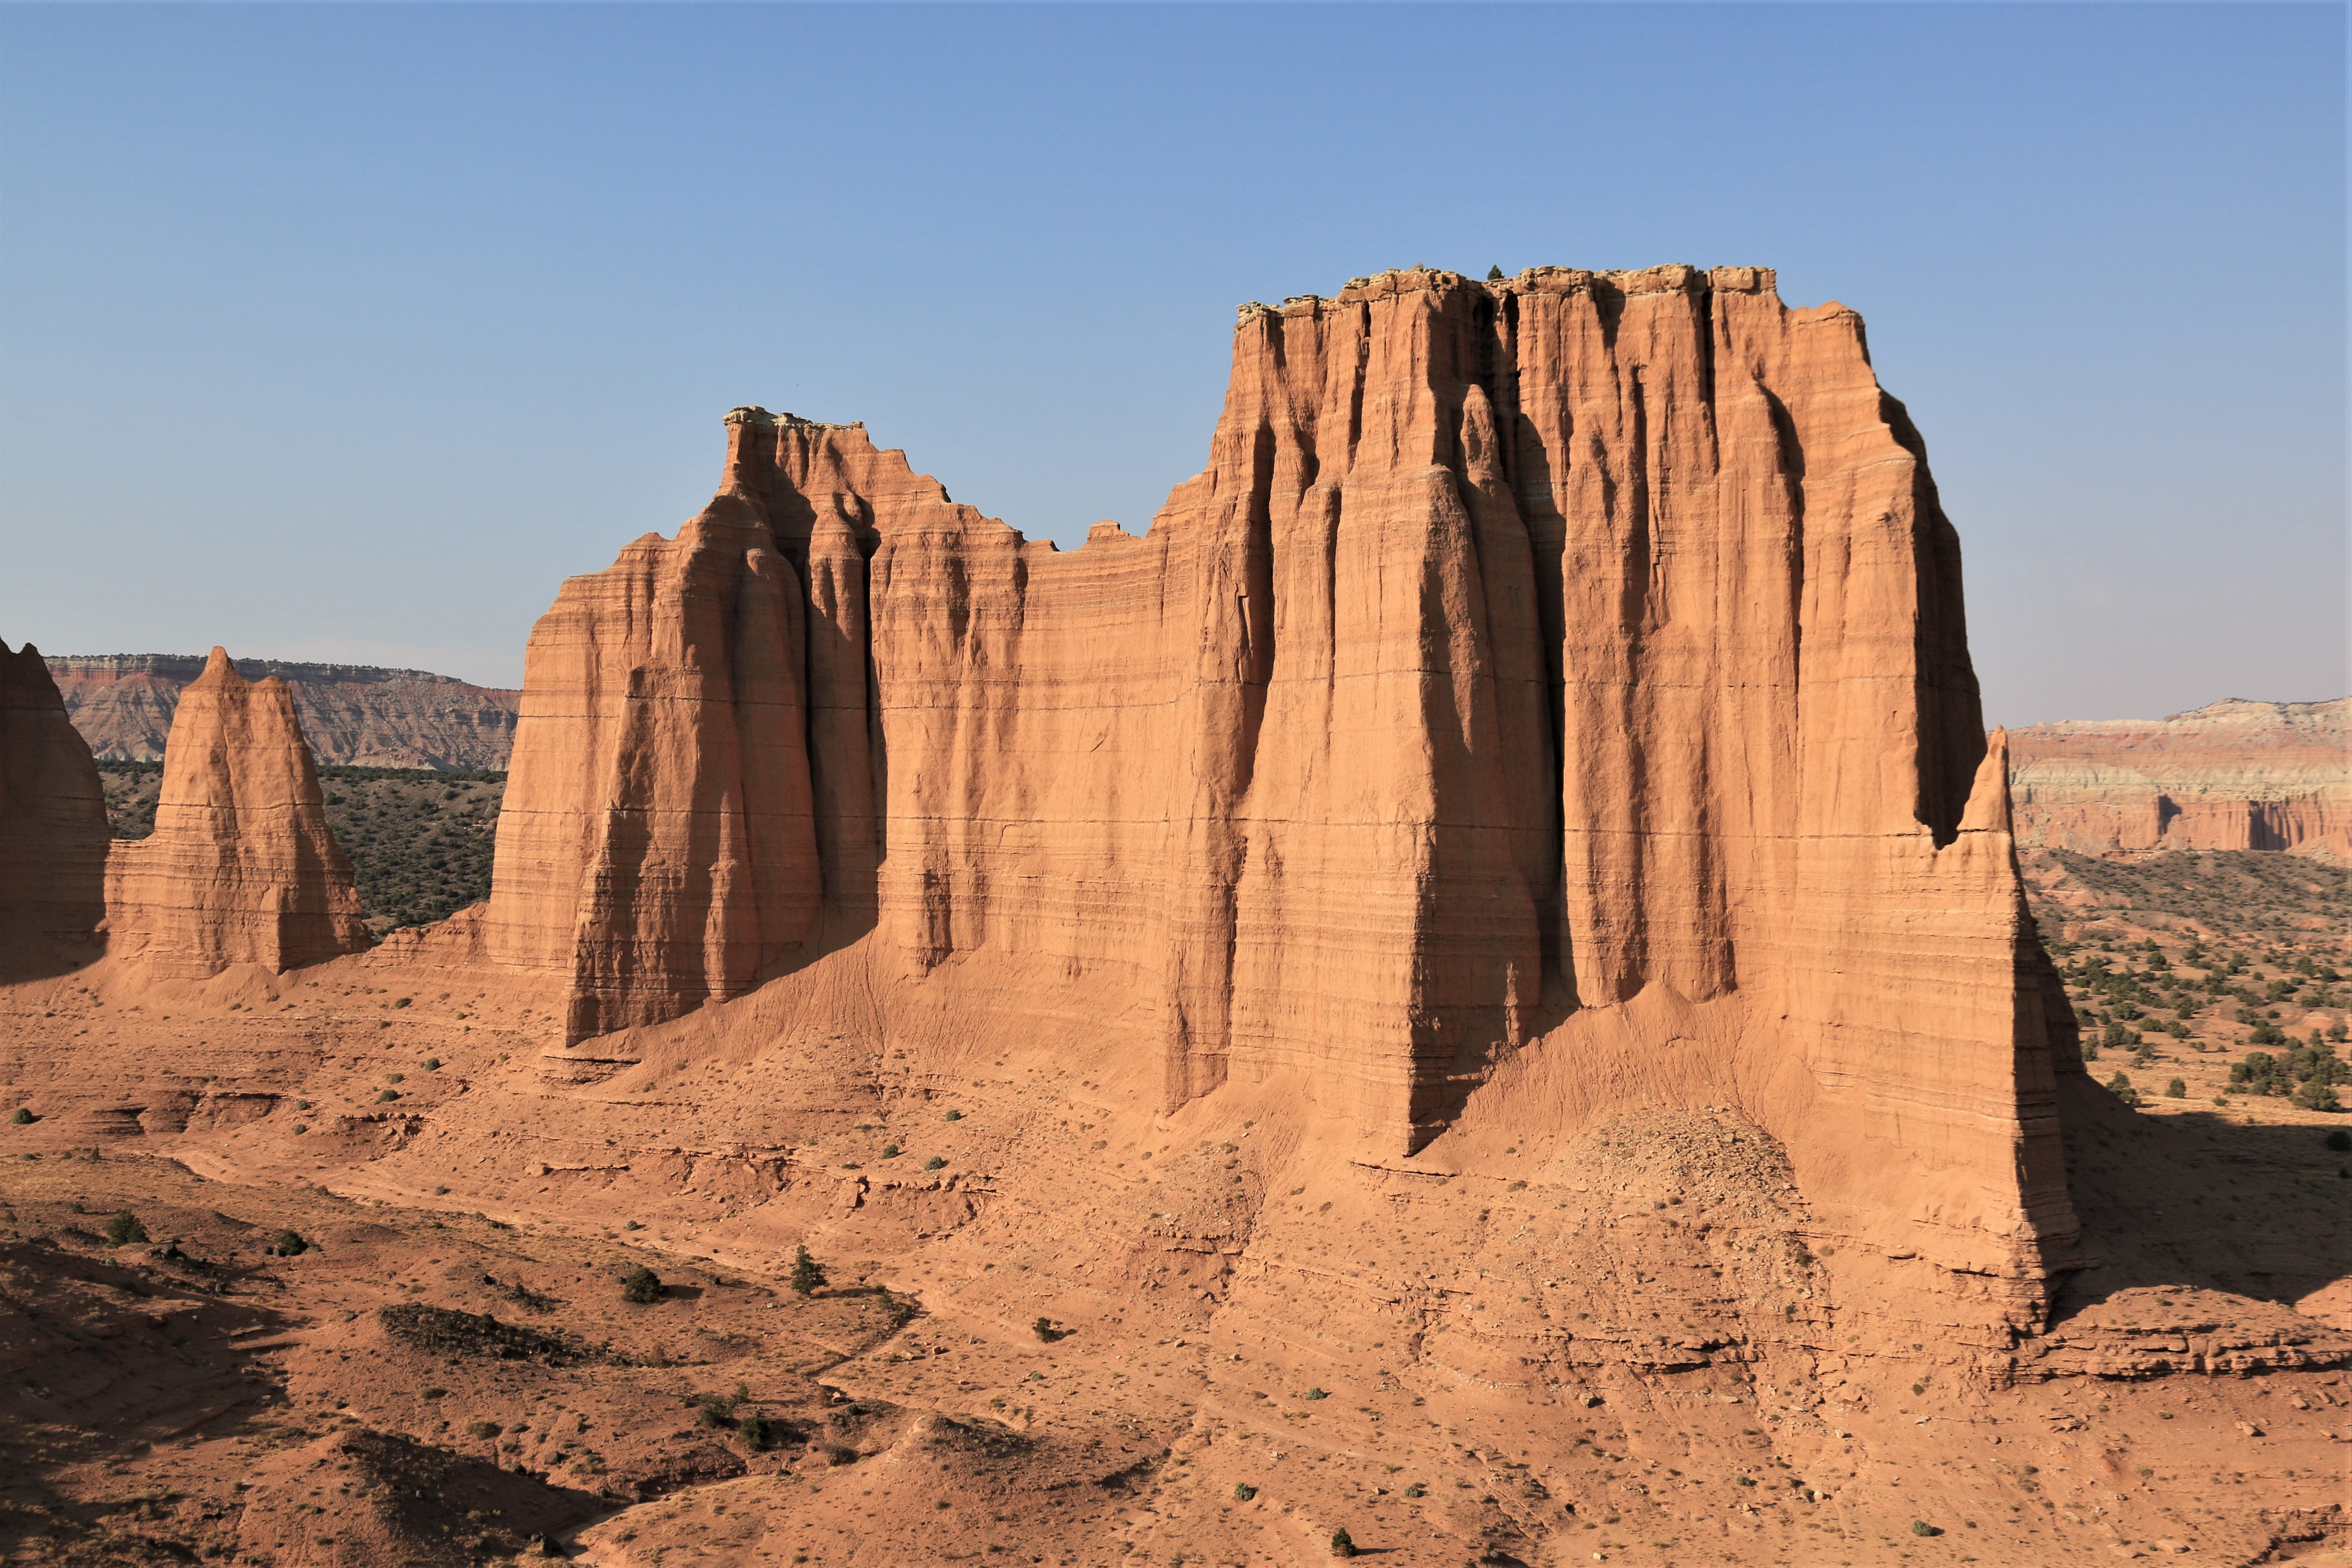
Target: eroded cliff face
(2230,775)
(1553,695)
(357,714)
(53,832)
(242,868)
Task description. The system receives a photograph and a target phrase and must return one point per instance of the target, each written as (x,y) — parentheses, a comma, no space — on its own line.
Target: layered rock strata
(353,714)
(241,867)
(2231,776)
(1571,660)
(53,832)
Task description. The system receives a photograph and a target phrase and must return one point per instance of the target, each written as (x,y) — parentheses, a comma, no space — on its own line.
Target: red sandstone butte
(241,867)
(1545,673)
(2231,776)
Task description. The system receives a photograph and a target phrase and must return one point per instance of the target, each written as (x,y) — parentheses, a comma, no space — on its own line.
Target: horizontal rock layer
(1530,656)
(2233,776)
(353,714)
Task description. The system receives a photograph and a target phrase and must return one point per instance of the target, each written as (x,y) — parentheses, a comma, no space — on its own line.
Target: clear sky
(345,331)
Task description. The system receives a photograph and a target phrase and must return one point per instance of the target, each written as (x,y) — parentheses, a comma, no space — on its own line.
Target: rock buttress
(53,832)
(241,867)
(656,846)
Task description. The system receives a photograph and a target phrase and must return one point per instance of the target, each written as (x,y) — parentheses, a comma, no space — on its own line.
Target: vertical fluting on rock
(242,867)
(1524,647)
(53,832)
(657,846)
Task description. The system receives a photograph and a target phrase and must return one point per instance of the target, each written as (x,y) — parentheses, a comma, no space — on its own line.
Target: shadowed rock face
(2230,775)
(53,832)
(1538,667)
(241,867)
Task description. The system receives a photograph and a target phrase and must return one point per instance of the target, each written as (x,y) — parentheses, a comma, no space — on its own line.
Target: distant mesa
(2231,776)
(354,714)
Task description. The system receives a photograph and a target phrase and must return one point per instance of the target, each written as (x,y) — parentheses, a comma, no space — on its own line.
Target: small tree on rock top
(808,1274)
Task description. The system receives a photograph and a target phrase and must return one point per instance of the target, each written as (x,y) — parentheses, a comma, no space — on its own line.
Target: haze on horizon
(343,333)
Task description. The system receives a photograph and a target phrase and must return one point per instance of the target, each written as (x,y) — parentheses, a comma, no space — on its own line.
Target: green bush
(21,1116)
(1044,1330)
(2317,1095)
(642,1286)
(935,1164)
(288,1244)
(1921,1527)
(1342,1543)
(2121,1087)
(808,1274)
(2176,1089)
(124,1229)
(1244,1492)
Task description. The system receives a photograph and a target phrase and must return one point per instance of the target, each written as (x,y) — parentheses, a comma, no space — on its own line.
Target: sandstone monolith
(241,867)
(1532,657)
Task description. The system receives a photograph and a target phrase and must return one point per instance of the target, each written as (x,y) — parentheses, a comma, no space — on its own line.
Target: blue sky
(345,331)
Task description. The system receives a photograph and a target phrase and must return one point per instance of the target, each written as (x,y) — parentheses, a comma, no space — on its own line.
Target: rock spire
(242,868)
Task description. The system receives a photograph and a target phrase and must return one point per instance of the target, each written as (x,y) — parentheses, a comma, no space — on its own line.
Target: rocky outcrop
(353,714)
(1538,669)
(2232,775)
(656,845)
(241,867)
(53,832)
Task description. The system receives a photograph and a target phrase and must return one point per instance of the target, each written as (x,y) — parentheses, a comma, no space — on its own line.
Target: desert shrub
(1244,1492)
(752,1430)
(288,1244)
(1921,1527)
(935,1164)
(1342,1543)
(642,1286)
(124,1229)
(2176,1089)
(1044,1330)
(1314,1393)
(2317,1095)
(2339,1141)
(1416,1490)
(432,1064)
(898,1309)
(954,1116)
(388,1094)
(711,1410)
(21,1116)
(808,1274)
(2121,1087)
